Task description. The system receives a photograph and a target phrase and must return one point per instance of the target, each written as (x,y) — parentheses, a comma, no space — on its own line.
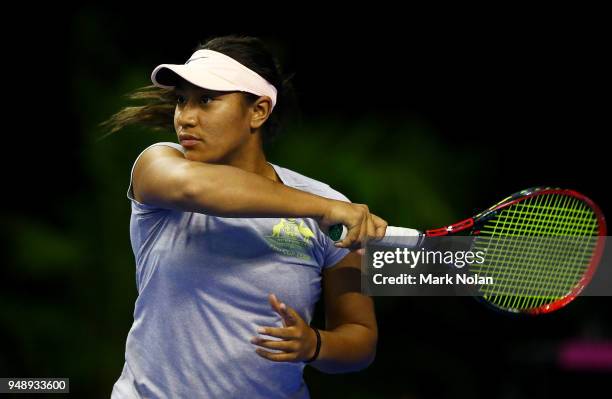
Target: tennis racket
(543,246)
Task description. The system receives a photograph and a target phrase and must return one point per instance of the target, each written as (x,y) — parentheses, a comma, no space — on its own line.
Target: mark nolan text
(430,279)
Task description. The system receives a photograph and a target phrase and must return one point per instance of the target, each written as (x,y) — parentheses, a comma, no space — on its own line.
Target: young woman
(231,251)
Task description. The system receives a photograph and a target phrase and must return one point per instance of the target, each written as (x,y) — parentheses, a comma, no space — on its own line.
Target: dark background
(426,118)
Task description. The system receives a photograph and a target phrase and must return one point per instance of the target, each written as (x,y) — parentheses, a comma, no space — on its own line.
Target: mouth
(187,137)
(188,140)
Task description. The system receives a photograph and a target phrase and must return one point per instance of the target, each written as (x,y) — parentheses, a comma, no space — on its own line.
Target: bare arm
(163,177)
(349,341)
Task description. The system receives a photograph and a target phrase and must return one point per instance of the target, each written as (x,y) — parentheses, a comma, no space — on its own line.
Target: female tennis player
(231,251)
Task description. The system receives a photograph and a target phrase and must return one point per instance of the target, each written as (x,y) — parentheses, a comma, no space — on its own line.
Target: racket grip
(400,236)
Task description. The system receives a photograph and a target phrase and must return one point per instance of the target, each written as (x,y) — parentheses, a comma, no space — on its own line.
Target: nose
(186,116)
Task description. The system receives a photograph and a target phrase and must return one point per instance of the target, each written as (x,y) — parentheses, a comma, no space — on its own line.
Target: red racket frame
(473,224)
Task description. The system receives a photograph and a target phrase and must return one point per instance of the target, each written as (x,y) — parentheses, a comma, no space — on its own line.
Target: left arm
(348,342)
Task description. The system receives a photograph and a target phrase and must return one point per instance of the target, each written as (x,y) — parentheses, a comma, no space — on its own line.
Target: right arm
(163,177)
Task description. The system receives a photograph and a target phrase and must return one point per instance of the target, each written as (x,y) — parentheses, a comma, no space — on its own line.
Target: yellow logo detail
(291,238)
(290,228)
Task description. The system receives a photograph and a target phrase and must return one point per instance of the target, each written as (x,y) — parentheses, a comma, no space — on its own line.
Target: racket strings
(518,270)
(528,288)
(534,252)
(530,273)
(540,248)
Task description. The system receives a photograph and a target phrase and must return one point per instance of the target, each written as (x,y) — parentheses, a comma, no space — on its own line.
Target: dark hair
(157,112)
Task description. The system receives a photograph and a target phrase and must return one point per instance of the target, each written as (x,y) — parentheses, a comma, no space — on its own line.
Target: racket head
(551,239)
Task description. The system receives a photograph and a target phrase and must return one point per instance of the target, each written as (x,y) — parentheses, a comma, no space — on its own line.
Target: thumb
(290,316)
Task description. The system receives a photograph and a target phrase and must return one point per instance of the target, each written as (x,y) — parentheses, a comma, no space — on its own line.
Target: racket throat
(451,229)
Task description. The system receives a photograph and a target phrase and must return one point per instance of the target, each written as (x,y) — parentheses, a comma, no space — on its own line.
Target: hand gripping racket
(544,245)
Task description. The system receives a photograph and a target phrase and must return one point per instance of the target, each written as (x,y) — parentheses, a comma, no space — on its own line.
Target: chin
(201,156)
(189,155)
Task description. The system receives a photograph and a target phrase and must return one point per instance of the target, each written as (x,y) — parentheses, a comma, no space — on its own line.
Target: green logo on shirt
(291,239)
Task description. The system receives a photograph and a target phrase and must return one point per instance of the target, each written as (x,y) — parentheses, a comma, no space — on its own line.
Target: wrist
(332,212)
(317,345)
(322,211)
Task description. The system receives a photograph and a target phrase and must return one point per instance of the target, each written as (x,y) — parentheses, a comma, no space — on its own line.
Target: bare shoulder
(155,153)
(157,169)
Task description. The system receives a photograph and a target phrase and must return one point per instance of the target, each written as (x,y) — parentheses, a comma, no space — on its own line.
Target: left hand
(298,341)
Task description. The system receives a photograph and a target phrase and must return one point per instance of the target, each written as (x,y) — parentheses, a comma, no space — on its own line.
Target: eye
(180,99)
(205,99)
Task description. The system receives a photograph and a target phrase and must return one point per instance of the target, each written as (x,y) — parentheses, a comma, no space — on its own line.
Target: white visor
(214,71)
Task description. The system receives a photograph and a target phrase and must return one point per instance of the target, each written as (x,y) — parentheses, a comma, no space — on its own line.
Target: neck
(252,159)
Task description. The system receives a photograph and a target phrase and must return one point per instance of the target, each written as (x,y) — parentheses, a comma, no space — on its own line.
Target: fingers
(287,314)
(370,233)
(355,232)
(361,237)
(367,227)
(279,332)
(276,305)
(274,302)
(380,226)
(294,340)
(277,357)
(286,346)
(352,236)
(293,345)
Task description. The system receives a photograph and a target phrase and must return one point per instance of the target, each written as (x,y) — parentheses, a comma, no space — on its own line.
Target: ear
(260,111)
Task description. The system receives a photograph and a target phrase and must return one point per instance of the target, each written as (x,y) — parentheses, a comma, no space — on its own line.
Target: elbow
(368,360)
(370,353)
(368,343)
(354,367)
(371,344)
(366,357)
